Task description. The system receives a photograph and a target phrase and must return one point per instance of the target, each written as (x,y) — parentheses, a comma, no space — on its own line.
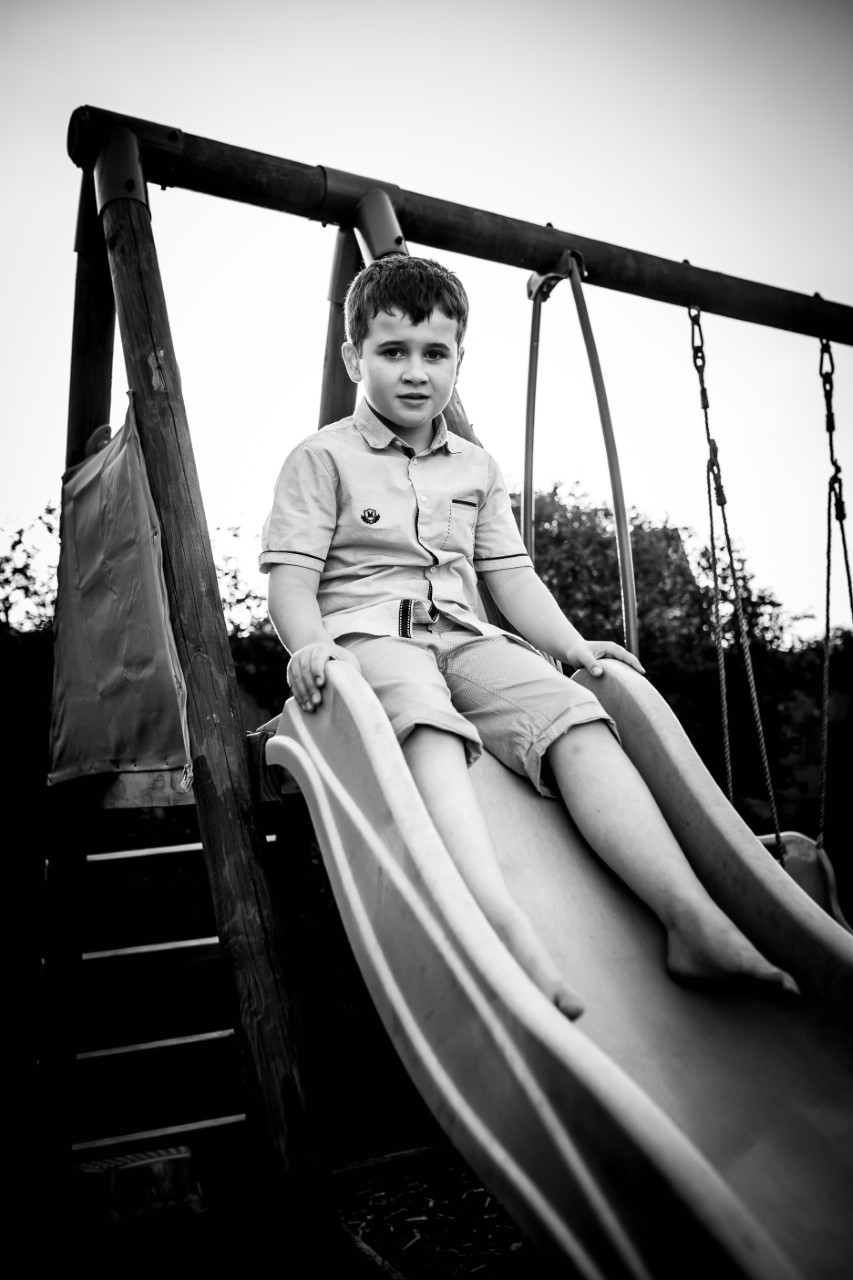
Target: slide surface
(665,1128)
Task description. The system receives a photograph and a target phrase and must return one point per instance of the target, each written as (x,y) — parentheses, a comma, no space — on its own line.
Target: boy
(379,526)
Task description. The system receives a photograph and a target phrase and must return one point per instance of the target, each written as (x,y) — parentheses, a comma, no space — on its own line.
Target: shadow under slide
(666,1133)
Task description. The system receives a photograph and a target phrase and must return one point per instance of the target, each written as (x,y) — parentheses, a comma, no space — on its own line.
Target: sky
(718,133)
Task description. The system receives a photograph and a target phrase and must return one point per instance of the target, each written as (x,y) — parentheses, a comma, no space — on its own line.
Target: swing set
(572,1132)
(805,859)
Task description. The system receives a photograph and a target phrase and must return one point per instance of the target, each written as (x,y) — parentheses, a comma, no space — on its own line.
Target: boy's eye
(399,353)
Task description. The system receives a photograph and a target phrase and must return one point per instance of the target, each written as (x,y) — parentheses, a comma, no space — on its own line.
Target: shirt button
(414,462)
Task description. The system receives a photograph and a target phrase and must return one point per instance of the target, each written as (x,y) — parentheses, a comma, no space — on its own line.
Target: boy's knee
(424,736)
(581,738)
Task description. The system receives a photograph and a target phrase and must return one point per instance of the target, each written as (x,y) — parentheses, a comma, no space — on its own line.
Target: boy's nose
(415,372)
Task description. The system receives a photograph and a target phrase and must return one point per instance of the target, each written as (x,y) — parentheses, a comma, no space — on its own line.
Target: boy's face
(408,370)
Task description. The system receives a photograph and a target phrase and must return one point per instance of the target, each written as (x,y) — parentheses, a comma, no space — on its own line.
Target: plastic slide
(667,1133)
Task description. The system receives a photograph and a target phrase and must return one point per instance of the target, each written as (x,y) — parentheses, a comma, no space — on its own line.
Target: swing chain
(713,478)
(834,500)
(714,473)
(698,344)
(827,369)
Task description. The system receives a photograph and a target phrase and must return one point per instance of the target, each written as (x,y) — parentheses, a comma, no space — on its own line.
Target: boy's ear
(351,360)
(458,364)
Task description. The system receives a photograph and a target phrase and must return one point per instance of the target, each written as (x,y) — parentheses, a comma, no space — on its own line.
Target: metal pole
(527,501)
(539,290)
(338,392)
(623,533)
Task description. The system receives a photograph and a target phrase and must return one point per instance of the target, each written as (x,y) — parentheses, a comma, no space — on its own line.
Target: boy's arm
(526,602)
(295,614)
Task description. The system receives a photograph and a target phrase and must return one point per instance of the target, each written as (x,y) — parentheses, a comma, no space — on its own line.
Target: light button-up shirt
(391,533)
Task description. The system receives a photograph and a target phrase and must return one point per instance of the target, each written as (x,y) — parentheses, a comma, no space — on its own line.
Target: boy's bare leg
(617,814)
(437,762)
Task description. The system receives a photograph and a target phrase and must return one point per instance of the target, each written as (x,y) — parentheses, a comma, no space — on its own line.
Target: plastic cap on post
(118,170)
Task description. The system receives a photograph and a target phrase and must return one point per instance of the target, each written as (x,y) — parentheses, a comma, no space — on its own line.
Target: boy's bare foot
(520,938)
(567,1002)
(711,954)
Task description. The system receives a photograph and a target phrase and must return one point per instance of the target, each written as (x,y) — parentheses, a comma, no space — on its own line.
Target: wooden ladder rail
(115,214)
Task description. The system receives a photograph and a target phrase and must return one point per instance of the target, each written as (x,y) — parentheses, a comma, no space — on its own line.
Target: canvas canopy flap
(119,698)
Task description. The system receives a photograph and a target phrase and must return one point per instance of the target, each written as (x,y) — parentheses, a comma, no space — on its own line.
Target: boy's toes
(770,984)
(568,1003)
(789,985)
(721,960)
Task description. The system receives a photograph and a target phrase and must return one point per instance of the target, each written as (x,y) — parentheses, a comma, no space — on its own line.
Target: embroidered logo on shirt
(369,515)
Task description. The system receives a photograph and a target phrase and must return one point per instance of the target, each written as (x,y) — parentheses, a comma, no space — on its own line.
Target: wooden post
(338,393)
(63,810)
(232,843)
(93,330)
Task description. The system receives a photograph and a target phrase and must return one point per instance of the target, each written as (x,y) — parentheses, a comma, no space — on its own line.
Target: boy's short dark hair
(415,286)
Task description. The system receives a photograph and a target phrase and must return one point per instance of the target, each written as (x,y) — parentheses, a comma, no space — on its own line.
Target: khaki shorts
(489,690)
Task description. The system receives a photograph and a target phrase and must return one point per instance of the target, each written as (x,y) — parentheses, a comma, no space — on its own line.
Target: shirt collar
(379,436)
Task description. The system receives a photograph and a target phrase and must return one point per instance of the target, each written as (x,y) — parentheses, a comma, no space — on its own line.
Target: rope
(714,475)
(718,643)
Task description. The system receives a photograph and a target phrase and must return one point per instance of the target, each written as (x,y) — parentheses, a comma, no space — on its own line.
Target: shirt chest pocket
(461,523)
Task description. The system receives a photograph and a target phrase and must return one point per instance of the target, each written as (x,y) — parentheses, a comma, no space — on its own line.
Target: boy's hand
(306,671)
(586,653)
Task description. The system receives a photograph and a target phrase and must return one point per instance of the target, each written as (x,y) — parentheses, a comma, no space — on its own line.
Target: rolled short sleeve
(497,541)
(300,525)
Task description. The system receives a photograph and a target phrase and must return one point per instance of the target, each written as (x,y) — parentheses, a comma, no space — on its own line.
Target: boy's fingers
(298,684)
(306,673)
(625,655)
(631,659)
(297,680)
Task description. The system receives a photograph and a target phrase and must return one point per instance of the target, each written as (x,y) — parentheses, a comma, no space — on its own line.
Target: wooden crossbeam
(172,158)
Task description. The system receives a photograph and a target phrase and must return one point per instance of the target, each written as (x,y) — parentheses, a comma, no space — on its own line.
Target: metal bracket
(89,129)
(344,192)
(545,284)
(118,170)
(377,227)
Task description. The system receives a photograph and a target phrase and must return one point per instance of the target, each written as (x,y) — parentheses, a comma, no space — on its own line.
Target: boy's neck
(413,439)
